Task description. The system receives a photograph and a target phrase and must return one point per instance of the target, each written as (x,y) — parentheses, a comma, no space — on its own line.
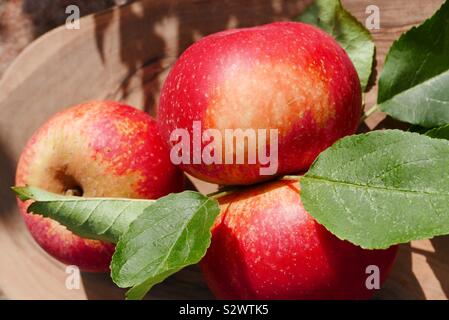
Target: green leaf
(172,233)
(139,291)
(440,132)
(94,218)
(414,84)
(330,16)
(381,188)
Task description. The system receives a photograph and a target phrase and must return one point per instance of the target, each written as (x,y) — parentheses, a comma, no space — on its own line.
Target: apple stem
(369,112)
(230,190)
(294,178)
(77,192)
(221,193)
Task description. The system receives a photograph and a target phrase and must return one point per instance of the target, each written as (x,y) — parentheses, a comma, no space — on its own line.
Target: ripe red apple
(266,246)
(287,76)
(96,149)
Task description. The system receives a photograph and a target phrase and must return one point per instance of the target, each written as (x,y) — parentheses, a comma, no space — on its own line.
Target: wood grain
(124,54)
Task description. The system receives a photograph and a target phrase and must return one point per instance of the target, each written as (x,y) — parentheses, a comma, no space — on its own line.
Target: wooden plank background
(124,54)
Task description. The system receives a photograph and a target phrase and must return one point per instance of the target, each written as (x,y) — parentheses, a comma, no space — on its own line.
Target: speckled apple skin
(109,150)
(286,75)
(266,246)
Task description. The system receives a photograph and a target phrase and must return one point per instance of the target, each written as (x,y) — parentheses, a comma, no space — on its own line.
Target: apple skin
(288,76)
(102,149)
(266,246)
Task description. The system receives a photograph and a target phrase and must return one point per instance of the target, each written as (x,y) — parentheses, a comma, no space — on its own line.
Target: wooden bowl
(124,54)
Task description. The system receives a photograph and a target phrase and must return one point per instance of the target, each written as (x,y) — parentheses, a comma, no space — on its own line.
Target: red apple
(266,246)
(96,149)
(287,76)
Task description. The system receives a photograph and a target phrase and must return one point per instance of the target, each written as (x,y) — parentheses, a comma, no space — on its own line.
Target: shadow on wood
(170,27)
(7,173)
